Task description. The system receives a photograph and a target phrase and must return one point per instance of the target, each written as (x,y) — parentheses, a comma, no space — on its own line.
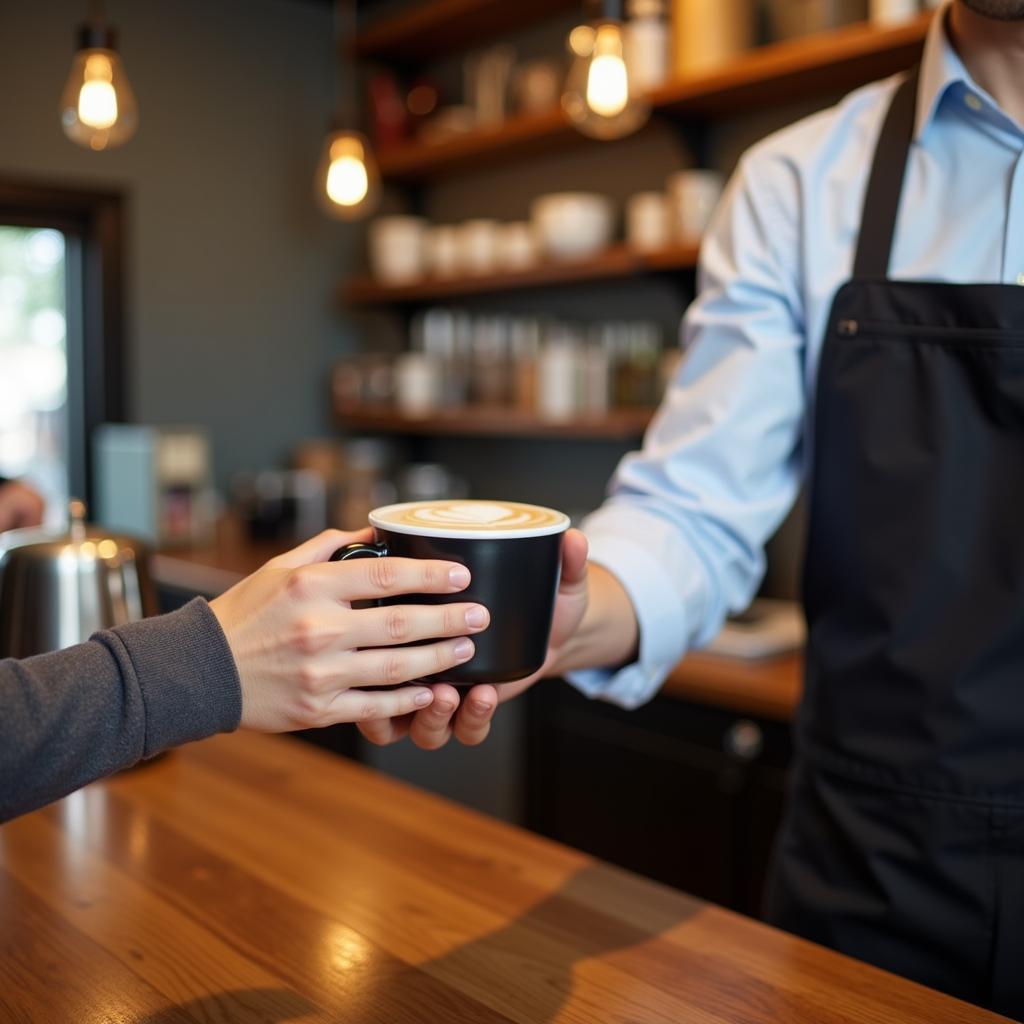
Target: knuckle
(450,620)
(444,656)
(305,711)
(382,574)
(396,624)
(394,670)
(367,712)
(305,637)
(431,577)
(309,679)
(298,583)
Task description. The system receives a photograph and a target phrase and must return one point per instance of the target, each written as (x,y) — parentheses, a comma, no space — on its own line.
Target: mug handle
(350,551)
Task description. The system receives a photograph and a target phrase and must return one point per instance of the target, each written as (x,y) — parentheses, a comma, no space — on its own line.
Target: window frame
(93,223)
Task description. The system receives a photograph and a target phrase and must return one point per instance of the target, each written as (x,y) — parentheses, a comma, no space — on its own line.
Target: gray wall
(230,267)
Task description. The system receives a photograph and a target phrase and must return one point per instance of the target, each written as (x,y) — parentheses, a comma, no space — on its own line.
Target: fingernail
(423,698)
(476,617)
(459,577)
(464,649)
(444,707)
(481,707)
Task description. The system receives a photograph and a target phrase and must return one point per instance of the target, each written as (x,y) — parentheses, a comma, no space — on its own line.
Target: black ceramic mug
(514,555)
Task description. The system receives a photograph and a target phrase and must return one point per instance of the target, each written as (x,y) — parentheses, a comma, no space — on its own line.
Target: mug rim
(468,534)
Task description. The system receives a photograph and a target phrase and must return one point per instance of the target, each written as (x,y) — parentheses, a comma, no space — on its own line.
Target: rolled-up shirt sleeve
(687,517)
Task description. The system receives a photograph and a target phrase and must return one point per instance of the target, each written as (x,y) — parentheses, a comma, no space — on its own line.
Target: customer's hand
(19,506)
(471,722)
(304,654)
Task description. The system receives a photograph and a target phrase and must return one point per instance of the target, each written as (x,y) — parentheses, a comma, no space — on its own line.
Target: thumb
(574,558)
(319,548)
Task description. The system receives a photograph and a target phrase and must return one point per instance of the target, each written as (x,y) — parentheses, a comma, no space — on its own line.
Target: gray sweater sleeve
(82,713)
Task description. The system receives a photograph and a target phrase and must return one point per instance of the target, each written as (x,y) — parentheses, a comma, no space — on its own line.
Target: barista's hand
(433,727)
(303,652)
(19,506)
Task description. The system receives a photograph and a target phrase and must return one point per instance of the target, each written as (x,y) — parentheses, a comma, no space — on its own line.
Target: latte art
(470,517)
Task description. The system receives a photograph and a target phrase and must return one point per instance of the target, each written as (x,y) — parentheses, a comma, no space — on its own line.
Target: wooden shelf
(437,27)
(518,136)
(497,421)
(823,63)
(616,262)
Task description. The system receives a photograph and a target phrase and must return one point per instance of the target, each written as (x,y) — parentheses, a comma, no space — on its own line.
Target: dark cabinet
(684,793)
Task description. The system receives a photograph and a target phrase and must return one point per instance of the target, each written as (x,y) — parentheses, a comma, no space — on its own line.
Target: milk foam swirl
(470,516)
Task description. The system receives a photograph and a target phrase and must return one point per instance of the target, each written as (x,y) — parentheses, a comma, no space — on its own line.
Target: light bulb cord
(345,78)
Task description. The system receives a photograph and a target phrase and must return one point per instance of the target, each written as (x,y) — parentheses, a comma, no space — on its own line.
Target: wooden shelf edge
(616,262)
(619,425)
(786,63)
(851,55)
(522,133)
(444,26)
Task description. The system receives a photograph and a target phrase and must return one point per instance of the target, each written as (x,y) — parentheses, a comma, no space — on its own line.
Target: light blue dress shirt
(687,516)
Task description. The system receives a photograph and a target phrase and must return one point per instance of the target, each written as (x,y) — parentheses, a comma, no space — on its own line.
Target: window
(33,361)
(61,367)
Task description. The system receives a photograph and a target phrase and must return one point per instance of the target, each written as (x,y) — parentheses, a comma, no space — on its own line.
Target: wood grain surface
(768,687)
(618,261)
(252,878)
(622,425)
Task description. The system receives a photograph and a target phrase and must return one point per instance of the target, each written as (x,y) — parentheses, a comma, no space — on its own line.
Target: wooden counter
(768,688)
(212,569)
(252,878)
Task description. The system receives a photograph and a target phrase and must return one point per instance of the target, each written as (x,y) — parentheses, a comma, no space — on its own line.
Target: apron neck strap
(882,199)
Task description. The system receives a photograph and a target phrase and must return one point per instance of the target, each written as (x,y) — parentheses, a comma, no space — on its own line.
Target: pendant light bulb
(347,182)
(97,107)
(97,99)
(600,97)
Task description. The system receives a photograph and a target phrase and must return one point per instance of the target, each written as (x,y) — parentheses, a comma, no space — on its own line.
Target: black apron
(903,844)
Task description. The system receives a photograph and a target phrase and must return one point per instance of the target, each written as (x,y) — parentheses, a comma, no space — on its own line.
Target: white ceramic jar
(647,43)
(517,246)
(397,249)
(417,384)
(478,246)
(443,250)
(557,377)
(573,225)
(648,221)
(892,12)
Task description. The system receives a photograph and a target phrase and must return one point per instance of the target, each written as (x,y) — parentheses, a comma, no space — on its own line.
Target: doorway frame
(93,221)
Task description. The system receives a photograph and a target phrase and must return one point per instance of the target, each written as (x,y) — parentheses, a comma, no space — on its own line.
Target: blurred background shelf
(616,262)
(777,73)
(496,421)
(840,59)
(443,26)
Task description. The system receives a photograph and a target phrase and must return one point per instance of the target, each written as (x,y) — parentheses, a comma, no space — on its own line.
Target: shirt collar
(942,70)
